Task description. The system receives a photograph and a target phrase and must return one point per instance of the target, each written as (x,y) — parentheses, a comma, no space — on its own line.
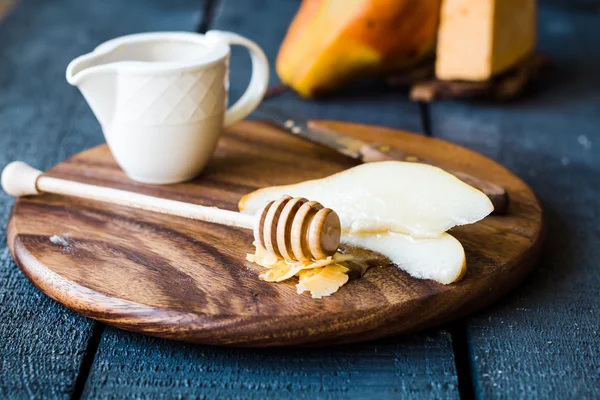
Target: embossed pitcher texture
(161,98)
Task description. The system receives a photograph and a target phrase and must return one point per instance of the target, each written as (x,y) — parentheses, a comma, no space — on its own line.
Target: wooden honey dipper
(292,228)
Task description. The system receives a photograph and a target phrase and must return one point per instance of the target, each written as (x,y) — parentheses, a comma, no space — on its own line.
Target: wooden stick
(20,179)
(313,233)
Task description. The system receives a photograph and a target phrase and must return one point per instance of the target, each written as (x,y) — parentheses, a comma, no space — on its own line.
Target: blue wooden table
(541,341)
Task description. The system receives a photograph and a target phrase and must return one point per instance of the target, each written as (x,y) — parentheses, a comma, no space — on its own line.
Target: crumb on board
(62,240)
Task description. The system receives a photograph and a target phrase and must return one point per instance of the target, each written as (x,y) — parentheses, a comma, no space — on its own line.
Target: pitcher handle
(258,82)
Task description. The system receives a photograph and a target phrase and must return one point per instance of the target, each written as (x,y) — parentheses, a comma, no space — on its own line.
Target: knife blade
(372,152)
(303,128)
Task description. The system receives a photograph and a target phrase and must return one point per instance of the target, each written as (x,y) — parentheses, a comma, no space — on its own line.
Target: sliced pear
(417,199)
(441,259)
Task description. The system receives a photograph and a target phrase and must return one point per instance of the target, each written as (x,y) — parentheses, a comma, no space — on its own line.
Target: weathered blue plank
(128,365)
(543,341)
(42,121)
(417,366)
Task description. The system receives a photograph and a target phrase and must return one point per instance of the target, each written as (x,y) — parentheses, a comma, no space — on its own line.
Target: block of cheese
(478,39)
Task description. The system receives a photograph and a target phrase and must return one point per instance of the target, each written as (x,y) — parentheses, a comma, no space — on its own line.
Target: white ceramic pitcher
(161,98)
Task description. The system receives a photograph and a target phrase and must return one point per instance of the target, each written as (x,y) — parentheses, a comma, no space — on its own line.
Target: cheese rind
(478,39)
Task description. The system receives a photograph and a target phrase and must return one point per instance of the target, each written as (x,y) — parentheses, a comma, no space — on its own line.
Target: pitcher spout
(95,76)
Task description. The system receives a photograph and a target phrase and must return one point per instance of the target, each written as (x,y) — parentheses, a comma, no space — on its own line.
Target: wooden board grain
(189,280)
(544,340)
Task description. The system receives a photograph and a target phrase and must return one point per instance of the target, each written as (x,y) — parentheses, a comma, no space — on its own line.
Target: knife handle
(383,152)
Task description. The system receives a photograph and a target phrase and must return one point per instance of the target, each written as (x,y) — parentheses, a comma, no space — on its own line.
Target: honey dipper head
(298,229)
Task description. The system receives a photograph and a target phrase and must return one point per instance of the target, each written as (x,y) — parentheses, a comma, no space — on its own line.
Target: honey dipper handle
(19,179)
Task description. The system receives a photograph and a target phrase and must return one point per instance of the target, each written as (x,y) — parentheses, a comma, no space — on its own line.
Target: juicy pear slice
(417,199)
(440,259)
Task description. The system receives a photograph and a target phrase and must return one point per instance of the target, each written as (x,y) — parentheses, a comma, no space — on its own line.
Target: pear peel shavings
(319,277)
(322,281)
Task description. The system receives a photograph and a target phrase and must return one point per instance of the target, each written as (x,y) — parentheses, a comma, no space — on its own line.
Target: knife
(372,152)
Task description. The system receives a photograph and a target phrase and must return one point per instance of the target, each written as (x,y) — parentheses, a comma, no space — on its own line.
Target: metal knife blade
(302,128)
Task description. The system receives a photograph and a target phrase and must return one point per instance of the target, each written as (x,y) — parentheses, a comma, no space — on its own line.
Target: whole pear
(332,42)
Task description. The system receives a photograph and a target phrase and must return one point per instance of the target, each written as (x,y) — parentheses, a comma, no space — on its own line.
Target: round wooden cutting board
(181,279)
